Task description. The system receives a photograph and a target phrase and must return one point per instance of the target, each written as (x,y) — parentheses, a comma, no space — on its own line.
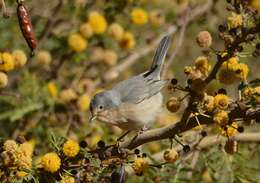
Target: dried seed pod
(26,26)
(231,146)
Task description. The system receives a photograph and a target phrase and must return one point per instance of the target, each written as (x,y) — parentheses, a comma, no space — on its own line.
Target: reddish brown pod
(26,26)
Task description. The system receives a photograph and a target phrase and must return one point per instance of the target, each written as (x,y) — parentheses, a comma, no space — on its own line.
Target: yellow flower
(83,102)
(235,20)
(6,62)
(20,58)
(97,22)
(94,140)
(86,30)
(208,104)
(27,148)
(255,4)
(229,131)
(52,88)
(21,174)
(127,41)
(3,80)
(257,94)
(221,101)
(67,179)
(241,71)
(43,58)
(139,16)
(110,57)
(248,92)
(227,74)
(139,165)
(71,148)
(170,155)
(221,118)
(156,18)
(154,147)
(202,64)
(51,162)
(77,43)
(204,39)
(10,146)
(116,31)
(68,95)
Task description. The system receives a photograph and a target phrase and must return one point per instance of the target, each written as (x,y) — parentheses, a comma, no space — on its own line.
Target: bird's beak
(92,118)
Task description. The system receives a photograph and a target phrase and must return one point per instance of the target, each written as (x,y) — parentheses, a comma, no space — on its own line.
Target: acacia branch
(171,130)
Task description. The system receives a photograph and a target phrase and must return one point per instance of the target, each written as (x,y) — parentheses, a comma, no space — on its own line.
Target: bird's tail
(159,56)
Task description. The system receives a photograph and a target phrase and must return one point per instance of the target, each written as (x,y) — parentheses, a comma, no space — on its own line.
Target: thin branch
(171,130)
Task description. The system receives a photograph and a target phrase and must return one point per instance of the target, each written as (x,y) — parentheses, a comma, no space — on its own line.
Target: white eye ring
(101,107)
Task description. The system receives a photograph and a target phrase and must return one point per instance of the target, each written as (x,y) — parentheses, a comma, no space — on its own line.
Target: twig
(5,12)
(50,23)
(171,130)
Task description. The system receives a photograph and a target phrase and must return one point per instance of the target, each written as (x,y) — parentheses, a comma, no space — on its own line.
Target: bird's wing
(138,88)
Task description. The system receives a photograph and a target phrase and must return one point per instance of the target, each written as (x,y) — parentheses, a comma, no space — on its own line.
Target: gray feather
(159,56)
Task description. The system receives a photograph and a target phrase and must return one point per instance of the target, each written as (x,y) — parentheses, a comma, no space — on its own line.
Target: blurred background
(85,46)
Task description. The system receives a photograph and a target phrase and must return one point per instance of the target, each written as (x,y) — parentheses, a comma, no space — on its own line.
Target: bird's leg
(143,129)
(122,136)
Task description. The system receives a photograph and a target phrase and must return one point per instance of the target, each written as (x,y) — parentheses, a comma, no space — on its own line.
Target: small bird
(133,104)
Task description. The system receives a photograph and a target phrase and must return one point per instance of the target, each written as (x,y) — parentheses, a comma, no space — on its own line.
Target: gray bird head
(103,101)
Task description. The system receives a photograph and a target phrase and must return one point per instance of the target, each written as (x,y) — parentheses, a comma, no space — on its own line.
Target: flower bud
(204,39)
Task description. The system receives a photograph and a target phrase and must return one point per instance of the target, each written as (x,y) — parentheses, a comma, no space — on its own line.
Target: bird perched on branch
(133,104)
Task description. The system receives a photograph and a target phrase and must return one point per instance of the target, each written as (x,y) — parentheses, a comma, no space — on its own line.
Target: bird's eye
(101,107)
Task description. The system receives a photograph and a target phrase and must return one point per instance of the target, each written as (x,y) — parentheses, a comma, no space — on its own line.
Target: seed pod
(231,146)
(26,26)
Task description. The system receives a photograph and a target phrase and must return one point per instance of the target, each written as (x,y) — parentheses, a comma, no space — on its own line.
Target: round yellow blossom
(10,146)
(204,39)
(255,4)
(227,76)
(235,20)
(241,71)
(127,41)
(20,58)
(83,102)
(71,148)
(21,174)
(27,148)
(229,130)
(208,104)
(202,64)
(154,147)
(3,80)
(170,155)
(93,140)
(52,89)
(97,54)
(140,165)
(97,22)
(43,57)
(139,16)
(221,117)
(156,18)
(248,92)
(221,101)
(110,57)
(173,104)
(86,30)
(51,162)
(67,179)
(257,94)
(68,95)
(77,43)
(116,31)
(6,62)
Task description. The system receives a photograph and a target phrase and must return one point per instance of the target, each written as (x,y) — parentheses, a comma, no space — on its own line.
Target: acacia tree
(49,99)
